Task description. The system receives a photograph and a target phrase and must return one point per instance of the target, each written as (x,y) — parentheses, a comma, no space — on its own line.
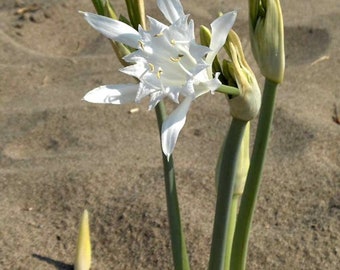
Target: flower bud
(109,10)
(267,37)
(104,8)
(205,36)
(83,256)
(247,104)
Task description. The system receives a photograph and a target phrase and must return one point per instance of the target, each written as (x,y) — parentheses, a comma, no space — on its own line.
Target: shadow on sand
(57,264)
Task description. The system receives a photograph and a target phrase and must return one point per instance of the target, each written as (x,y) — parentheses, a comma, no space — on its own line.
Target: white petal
(136,70)
(134,57)
(155,98)
(219,32)
(113,94)
(206,86)
(198,51)
(172,9)
(172,126)
(181,30)
(113,29)
(156,27)
(143,91)
(188,89)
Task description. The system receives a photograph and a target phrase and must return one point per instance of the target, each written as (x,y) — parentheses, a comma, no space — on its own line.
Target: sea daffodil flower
(167,62)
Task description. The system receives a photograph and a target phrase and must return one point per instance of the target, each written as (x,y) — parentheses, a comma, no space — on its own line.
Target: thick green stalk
(240,180)
(248,201)
(241,175)
(136,12)
(231,229)
(226,181)
(179,252)
(180,257)
(99,6)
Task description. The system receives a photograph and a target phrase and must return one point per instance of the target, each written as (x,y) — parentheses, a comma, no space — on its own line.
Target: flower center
(168,60)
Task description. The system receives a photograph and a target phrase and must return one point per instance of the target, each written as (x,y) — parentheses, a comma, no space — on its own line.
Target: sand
(60,155)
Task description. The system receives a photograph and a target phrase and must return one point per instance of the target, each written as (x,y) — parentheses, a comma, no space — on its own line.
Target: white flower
(167,62)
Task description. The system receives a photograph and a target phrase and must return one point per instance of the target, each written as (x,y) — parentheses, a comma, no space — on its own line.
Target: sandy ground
(59,155)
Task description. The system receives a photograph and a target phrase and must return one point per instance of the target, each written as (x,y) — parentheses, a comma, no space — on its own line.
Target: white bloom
(167,62)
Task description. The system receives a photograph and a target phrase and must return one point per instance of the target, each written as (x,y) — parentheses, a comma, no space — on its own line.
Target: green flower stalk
(267,37)
(168,63)
(104,8)
(83,256)
(234,159)
(242,163)
(136,12)
(245,107)
(240,180)
(226,177)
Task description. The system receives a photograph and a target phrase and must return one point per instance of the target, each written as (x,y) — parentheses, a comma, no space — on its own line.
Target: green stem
(228,90)
(240,180)
(248,201)
(226,179)
(179,252)
(99,6)
(232,223)
(136,12)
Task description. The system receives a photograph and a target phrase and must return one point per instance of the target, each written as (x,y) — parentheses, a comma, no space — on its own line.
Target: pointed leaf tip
(83,256)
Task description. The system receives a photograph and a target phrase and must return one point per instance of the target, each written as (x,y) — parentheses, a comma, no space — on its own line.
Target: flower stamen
(151,67)
(141,44)
(159,73)
(176,59)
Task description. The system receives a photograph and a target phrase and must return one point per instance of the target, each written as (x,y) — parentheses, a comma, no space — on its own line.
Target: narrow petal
(136,70)
(155,98)
(219,32)
(113,29)
(172,9)
(173,125)
(206,86)
(198,51)
(113,94)
(181,30)
(143,91)
(156,27)
(134,57)
(188,89)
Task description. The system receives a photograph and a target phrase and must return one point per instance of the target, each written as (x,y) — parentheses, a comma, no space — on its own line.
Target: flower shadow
(57,264)
(305,44)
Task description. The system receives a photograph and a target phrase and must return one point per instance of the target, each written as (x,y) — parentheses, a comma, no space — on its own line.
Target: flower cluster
(167,62)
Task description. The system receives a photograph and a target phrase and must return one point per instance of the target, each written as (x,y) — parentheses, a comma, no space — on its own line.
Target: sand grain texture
(59,155)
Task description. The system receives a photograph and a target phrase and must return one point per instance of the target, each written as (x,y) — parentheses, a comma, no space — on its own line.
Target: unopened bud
(205,36)
(247,104)
(267,37)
